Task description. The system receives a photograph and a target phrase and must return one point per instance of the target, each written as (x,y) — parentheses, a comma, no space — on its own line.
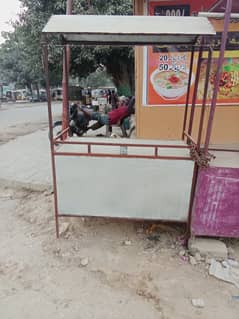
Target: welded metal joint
(201,158)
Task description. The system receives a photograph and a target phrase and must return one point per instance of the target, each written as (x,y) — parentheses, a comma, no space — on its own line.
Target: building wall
(165,122)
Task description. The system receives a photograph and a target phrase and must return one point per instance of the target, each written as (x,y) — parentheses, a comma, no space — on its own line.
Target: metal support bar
(185,158)
(224,149)
(124,144)
(217,15)
(203,108)
(65,112)
(65,75)
(60,135)
(218,73)
(190,138)
(195,90)
(192,195)
(45,57)
(156,151)
(188,90)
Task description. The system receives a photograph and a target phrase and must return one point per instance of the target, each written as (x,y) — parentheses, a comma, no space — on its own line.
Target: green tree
(119,62)
(21,55)
(13,59)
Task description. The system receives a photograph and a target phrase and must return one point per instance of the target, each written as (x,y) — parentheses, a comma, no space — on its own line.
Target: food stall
(140,179)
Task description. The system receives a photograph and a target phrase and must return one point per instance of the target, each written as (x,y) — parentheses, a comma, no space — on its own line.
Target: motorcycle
(78,122)
(80,117)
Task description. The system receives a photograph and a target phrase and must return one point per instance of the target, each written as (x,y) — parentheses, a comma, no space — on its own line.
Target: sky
(8,11)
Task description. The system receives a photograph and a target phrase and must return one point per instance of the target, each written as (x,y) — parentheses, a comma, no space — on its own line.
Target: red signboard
(179,7)
(167,69)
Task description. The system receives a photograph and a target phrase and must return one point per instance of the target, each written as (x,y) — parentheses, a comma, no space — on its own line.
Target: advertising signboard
(167,68)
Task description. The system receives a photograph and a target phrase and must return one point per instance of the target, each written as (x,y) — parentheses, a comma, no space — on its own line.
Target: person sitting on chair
(114,117)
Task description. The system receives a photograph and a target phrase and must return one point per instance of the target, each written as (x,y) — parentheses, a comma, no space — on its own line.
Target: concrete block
(208,247)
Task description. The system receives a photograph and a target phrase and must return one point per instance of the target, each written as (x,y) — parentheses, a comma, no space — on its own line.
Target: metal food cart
(137,179)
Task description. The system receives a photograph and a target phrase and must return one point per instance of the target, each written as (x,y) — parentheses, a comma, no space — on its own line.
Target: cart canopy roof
(135,30)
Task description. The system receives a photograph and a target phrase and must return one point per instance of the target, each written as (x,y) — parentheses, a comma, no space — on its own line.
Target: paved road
(12,114)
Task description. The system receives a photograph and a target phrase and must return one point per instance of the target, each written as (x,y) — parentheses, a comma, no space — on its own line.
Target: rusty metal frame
(217,79)
(60,139)
(212,111)
(57,140)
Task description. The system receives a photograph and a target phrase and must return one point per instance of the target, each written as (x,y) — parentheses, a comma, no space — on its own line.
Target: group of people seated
(81,117)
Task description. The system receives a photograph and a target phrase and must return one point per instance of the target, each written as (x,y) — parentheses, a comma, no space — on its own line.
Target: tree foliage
(21,55)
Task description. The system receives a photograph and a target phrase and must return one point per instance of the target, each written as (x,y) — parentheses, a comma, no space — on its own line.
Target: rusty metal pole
(65,75)
(188,91)
(45,57)
(203,107)
(197,78)
(218,73)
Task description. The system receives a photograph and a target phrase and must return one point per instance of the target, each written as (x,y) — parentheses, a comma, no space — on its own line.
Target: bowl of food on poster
(170,84)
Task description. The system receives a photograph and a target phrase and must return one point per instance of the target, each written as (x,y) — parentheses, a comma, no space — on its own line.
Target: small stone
(207,268)
(127,243)
(184,258)
(182,253)
(231,252)
(233,263)
(208,247)
(192,260)
(33,220)
(84,261)
(198,257)
(208,261)
(64,227)
(198,303)
(57,251)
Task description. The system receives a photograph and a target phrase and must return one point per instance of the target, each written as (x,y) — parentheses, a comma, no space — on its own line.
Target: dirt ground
(100,268)
(13,131)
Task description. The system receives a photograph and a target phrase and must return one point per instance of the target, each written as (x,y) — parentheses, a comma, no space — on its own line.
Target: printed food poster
(167,72)
(167,77)
(228,92)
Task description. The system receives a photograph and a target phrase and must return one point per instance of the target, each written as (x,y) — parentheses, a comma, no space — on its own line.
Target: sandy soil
(13,131)
(100,268)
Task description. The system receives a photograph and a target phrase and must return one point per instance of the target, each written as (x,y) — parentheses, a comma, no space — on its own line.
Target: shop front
(162,79)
